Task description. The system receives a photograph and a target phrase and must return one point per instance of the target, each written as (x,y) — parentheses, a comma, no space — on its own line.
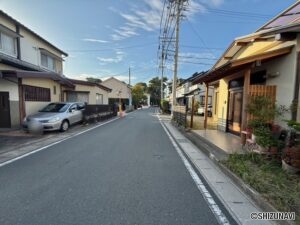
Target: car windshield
(55,107)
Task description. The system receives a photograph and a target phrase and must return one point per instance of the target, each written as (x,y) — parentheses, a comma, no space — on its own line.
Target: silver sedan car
(55,116)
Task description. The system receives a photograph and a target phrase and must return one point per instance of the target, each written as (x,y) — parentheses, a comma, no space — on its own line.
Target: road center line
(201,187)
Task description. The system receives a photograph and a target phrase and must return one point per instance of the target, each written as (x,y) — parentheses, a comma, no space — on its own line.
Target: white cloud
(118,58)
(83,76)
(94,40)
(124,32)
(147,17)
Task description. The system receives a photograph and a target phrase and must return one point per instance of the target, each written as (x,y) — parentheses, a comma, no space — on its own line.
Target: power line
(192,57)
(238,14)
(200,38)
(231,13)
(201,47)
(109,49)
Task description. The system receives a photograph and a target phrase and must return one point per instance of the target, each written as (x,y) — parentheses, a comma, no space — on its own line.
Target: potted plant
(291,151)
(263,138)
(262,112)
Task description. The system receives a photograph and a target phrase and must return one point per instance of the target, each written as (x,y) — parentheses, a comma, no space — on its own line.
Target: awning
(38,75)
(263,53)
(258,51)
(45,51)
(88,83)
(9,31)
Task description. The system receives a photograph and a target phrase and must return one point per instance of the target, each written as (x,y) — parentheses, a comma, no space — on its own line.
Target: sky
(104,38)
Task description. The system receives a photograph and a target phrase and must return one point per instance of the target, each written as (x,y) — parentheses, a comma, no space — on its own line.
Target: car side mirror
(71,110)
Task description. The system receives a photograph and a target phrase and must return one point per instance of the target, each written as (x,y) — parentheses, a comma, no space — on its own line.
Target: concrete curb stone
(217,155)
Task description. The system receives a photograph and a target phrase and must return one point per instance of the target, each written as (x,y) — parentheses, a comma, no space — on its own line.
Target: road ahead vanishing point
(124,172)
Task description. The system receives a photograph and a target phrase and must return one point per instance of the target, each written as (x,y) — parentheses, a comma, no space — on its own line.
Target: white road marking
(222,219)
(47,146)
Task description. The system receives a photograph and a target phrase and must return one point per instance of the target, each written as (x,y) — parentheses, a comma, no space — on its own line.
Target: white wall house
(31,71)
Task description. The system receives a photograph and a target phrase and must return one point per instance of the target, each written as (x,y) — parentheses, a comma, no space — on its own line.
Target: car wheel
(64,126)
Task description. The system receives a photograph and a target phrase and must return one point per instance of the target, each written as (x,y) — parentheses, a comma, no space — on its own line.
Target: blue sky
(105,37)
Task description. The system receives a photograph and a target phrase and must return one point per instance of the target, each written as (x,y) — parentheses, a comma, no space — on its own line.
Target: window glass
(8,44)
(99,99)
(55,107)
(44,60)
(48,62)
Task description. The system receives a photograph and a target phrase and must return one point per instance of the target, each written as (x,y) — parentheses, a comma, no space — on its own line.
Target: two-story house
(31,75)
(31,72)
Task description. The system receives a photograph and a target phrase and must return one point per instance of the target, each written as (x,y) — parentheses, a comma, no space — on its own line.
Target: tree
(94,80)
(144,85)
(154,89)
(138,94)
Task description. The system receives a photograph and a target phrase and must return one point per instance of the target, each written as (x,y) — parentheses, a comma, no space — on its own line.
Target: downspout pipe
(296,89)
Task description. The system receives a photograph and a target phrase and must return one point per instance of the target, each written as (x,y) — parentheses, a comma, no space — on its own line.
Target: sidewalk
(205,158)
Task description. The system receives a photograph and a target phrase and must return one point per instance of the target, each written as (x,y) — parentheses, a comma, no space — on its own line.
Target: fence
(268,91)
(95,113)
(263,90)
(179,115)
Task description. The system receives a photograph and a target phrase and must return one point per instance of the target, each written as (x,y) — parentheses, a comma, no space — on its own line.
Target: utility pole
(162,77)
(129,81)
(129,75)
(178,14)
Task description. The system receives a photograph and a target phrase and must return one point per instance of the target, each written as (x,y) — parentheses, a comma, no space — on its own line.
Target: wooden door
(4,110)
(235,106)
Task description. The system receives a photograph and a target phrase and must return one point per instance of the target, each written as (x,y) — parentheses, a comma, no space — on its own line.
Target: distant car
(201,110)
(56,116)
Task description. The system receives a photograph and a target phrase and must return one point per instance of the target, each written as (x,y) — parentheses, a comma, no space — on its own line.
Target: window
(37,94)
(202,100)
(54,90)
(48,62)
(8,44)
(99,99)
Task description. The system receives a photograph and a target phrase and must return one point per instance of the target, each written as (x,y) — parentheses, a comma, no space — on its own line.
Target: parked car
(56,116)
(201,110)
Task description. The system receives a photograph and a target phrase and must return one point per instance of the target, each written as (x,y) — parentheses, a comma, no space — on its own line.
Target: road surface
(124,172)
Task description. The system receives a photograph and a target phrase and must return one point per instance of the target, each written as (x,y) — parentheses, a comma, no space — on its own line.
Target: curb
(252,194)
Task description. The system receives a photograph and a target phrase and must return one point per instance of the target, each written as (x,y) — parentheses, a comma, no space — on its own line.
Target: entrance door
(235,105)
(4,110)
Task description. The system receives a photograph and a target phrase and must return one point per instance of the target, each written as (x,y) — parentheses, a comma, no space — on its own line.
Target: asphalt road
(125,172)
